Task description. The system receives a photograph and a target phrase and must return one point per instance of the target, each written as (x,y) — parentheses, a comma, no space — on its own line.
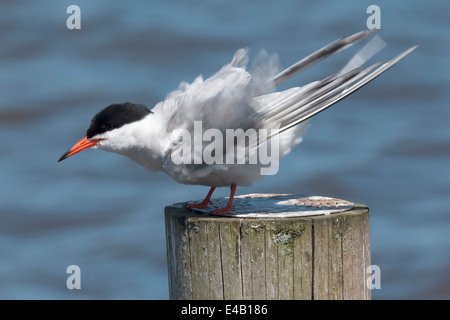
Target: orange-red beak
(79,146)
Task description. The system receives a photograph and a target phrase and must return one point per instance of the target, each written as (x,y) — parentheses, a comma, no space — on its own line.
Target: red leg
(229,206)
(204,203)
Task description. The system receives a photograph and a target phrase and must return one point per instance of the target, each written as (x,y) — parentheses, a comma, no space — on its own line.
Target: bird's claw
(225,210)
(201,205)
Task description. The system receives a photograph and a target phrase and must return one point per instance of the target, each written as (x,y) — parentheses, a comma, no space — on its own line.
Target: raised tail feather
(320,55)
(289,110)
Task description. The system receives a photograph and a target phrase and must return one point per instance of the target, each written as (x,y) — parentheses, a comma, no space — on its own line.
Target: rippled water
(387,146)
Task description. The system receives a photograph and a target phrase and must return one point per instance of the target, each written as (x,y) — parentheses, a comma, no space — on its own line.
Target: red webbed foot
(204,204)
(229,206)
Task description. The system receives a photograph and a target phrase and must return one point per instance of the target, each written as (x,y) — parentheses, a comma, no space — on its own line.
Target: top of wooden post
(270,246)
(261,205)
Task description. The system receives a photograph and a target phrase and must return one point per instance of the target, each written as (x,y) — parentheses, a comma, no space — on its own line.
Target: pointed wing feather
(321,54)
(339,88)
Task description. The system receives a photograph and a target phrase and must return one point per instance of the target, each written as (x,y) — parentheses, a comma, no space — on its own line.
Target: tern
(238,97)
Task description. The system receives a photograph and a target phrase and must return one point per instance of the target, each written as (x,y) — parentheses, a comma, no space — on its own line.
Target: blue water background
(387,146)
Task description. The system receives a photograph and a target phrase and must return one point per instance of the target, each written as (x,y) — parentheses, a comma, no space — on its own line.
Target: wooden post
(269,247)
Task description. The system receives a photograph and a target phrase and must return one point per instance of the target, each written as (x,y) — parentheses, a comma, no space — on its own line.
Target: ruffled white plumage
(237,97)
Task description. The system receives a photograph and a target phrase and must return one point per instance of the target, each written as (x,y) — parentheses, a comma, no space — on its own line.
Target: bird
(238,97)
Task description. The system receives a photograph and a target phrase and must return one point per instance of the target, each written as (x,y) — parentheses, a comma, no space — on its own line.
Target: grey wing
(320,55)
(304,104)
(292,107)
(221,101)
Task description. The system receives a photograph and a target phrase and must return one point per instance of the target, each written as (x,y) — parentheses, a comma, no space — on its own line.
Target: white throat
(140,141)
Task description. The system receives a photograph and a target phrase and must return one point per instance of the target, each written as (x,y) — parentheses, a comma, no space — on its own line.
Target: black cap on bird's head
(110,118)
(115,116)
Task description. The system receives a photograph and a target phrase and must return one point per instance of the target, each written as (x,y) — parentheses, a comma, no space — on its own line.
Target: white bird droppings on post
(278,206)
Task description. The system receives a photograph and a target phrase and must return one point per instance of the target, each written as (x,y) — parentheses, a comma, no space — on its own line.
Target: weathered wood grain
(312,257)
